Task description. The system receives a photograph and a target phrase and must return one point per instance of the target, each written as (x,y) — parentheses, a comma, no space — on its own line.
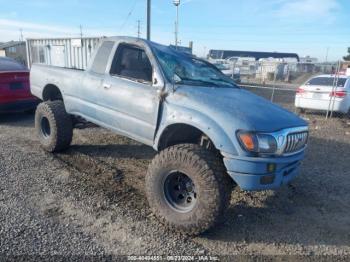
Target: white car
(226,69)
(320,93)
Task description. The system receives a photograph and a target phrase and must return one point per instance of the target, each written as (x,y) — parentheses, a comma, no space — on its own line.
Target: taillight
(339,94)
(300,90)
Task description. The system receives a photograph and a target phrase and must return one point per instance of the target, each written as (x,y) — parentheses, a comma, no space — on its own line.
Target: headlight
(257,143)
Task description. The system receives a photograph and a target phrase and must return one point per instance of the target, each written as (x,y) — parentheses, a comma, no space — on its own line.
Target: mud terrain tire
(211,183)
(53,126)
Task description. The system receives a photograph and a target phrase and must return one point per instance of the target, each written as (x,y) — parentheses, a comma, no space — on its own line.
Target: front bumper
(20,105)
(251,173)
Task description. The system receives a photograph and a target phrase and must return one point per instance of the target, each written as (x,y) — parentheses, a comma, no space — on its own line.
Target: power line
(128,16)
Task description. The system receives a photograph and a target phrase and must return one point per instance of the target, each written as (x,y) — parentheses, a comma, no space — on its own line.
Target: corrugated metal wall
(70,53)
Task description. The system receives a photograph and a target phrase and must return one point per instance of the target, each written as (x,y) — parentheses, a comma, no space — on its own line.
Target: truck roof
(148,42)
(129,39)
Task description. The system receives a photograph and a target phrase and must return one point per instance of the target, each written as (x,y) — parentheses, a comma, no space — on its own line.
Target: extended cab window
(132,62)
(100,63)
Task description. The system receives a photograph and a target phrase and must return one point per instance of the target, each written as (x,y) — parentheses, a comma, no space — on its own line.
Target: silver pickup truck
(210,134)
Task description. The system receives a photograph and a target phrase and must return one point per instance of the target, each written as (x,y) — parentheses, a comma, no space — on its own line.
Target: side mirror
(175,78)
(158,83)
(157,80)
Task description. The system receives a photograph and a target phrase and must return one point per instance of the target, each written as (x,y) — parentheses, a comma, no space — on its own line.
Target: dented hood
(236,107)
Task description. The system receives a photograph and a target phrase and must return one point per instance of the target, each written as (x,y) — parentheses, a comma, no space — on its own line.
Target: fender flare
(174,115)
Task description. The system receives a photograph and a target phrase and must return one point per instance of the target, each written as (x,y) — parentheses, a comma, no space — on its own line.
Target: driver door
(128,98)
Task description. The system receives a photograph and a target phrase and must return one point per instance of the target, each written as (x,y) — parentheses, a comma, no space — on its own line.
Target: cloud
(16,24)
(9,30)
(308,9)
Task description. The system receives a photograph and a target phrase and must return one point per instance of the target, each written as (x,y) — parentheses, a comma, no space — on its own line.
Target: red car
(14,87)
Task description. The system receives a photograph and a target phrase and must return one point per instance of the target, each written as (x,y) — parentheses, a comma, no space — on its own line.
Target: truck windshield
(188,70)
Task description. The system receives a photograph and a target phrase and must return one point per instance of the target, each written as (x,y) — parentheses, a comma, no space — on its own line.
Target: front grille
(296,142)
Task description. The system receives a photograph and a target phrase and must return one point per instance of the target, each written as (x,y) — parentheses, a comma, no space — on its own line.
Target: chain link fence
(278,81)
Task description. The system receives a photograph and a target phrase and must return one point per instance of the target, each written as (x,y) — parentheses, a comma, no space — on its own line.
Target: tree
(347,58)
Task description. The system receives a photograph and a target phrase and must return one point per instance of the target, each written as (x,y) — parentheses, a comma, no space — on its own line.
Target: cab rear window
(327,81)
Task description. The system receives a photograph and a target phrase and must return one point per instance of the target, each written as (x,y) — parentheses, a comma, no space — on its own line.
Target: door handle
(107,86)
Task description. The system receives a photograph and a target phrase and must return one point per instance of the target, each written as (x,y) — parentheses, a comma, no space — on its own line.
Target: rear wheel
(53,126)
(187,188)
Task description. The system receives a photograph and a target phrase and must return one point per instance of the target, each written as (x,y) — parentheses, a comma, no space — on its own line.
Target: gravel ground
(90,200)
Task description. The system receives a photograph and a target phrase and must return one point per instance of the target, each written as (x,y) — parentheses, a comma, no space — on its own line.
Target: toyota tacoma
(210,134)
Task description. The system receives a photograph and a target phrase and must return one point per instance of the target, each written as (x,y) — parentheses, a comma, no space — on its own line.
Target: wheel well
(183,133)
(52,92)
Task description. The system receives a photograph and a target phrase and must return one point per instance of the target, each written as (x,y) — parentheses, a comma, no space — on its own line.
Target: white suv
(320,93)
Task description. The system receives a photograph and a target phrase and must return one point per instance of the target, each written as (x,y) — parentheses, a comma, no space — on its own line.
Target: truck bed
(42,75)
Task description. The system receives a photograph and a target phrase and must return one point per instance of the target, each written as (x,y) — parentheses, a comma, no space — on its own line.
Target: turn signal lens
(257,143)
(248,141)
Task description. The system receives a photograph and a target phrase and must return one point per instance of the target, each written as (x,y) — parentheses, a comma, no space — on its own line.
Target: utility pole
(81,47)
(21,34)
(148,19)
(327,54)
(81,32)
(138,28)
(177,3)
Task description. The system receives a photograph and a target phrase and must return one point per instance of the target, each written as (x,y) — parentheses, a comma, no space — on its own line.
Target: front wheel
(53,126)
(188,188)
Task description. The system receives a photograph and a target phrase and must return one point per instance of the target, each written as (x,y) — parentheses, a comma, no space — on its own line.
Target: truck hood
(237,107)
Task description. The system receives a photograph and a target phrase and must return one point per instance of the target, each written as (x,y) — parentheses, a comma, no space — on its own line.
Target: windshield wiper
(197,81)
(222,81)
